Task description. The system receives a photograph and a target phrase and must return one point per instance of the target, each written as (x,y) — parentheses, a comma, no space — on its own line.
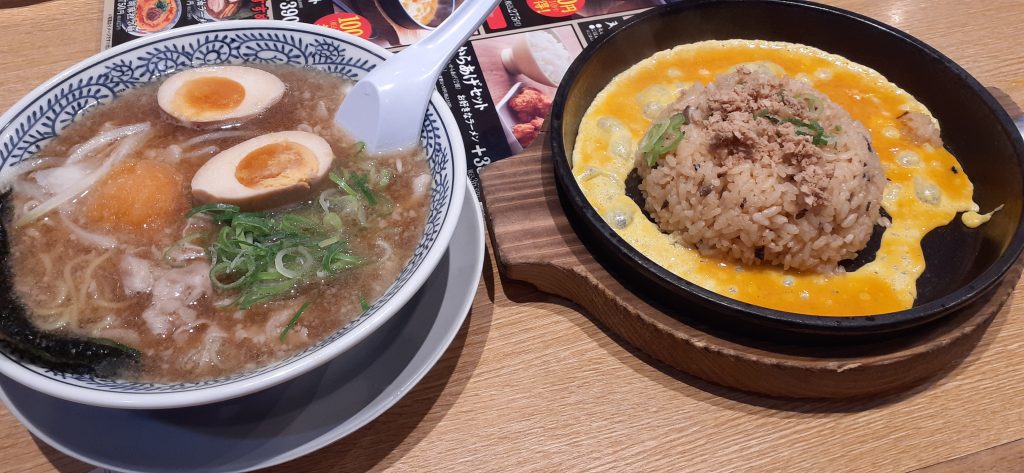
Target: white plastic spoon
(385,108)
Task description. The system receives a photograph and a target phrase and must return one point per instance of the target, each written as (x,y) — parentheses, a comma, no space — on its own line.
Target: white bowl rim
(169,400)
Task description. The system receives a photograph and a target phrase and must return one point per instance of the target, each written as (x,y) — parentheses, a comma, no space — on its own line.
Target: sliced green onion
(224,269)
(325,265)
(338,259)
(298,221)
(328,242)
(264,291)
(266,256)
(672,135)
(342,184)
(360,183)
(332,219)
(326,197)
(291,323)
(814,104)
(217,211)
(185,240)
(662,137)
(256,223)
(767,115)
(302,255)
(363,304)
(342,261)
(810,128)
(115,344)
(804,128)
(653,135)
(227,243)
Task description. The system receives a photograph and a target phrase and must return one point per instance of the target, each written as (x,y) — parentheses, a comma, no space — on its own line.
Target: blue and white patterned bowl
(48,109)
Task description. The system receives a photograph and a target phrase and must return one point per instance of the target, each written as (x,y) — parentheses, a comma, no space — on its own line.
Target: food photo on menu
(398,22)
(512,235)
(522,73)
(522,49)
(387,23)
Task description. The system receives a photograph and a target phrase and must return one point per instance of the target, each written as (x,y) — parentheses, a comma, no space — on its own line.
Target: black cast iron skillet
(962,264)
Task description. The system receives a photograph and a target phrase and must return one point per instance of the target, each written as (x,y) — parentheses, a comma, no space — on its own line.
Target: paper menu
(499,85)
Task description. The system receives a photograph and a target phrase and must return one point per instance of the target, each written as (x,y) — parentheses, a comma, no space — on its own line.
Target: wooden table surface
(532,384)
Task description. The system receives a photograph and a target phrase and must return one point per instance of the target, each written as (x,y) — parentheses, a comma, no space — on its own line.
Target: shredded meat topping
(764,170)
(744,125)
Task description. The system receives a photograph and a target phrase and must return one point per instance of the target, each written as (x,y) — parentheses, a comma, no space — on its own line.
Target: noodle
(76,296)
(99,301)
(60,297)
(47,265)
(88,276)
(58,323)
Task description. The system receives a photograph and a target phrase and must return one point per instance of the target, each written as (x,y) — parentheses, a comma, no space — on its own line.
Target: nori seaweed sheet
(56,351)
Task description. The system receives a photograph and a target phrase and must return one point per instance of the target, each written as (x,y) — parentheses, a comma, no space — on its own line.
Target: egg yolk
(276,165)
(209,95)
(141,197)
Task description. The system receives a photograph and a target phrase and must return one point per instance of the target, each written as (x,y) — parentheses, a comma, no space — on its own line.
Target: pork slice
(136,275)
(172,291)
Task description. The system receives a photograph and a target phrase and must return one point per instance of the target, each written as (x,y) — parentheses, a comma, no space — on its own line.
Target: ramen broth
(94,267)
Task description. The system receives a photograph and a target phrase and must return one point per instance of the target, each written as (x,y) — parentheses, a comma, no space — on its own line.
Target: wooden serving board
(534,242)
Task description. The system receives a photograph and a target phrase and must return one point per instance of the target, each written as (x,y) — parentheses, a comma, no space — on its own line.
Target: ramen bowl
(51,107)
(962,264)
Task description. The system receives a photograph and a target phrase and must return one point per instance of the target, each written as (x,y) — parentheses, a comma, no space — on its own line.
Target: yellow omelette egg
(926,185)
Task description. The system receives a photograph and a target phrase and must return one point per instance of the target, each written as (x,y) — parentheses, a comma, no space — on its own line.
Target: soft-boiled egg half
(219,95)
(266,171)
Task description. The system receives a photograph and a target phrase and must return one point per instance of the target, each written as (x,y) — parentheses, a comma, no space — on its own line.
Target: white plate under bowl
(286,421)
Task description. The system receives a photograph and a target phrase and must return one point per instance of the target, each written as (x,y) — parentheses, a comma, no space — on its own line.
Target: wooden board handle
(534,242)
